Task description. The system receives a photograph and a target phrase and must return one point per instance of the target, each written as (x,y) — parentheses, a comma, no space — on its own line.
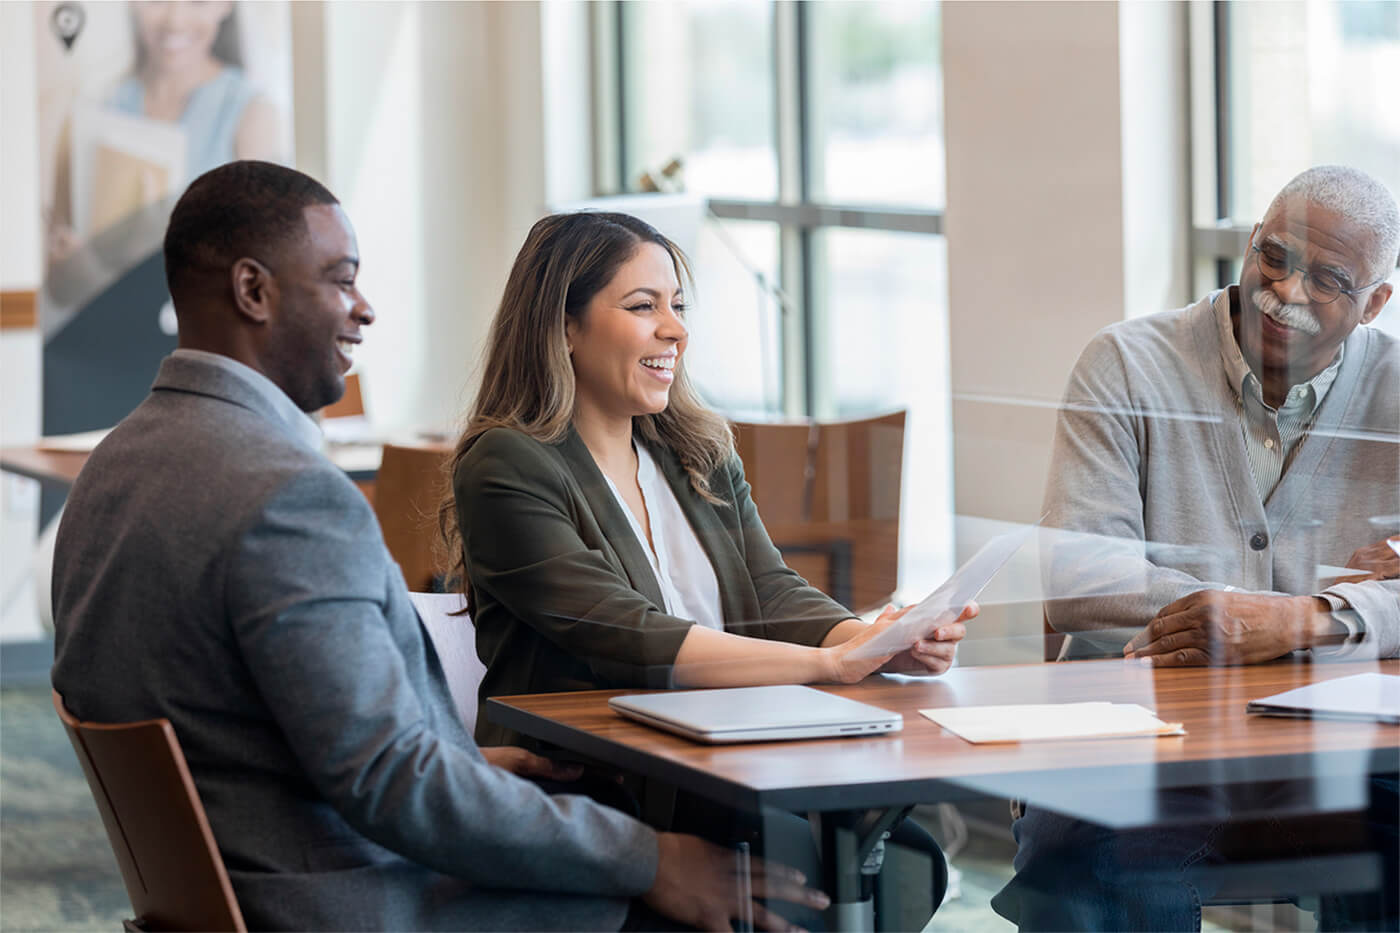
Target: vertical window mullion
(1223,165)
(609,103)
(797,380)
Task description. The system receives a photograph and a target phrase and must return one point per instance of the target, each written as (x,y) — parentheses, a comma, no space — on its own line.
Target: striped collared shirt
(1270,435)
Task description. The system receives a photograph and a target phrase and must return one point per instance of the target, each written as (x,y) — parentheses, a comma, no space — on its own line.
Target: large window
(1296,84)
(815,132)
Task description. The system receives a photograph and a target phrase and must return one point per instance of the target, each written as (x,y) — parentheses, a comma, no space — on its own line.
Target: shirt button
(1259,541)
(1269,443)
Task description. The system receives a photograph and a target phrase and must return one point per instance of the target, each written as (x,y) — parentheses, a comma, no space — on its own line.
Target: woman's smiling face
(629,340)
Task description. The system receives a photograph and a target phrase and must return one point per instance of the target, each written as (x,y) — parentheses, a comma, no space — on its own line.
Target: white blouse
(683,570)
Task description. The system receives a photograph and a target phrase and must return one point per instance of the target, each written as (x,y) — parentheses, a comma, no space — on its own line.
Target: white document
(1041,721)
(946,603)
(1371,697)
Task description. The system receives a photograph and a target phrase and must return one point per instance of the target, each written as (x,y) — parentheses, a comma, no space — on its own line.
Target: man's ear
(254,290)
(1376,302)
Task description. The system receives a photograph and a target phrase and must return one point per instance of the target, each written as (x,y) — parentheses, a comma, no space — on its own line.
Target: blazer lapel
(610,517)
(737,598)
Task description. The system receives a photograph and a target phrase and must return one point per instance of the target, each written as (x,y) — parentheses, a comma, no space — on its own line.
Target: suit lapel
(607,511)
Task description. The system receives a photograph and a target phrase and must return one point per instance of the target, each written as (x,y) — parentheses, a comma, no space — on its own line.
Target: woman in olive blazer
(583,399)
(604,530)
(564,597)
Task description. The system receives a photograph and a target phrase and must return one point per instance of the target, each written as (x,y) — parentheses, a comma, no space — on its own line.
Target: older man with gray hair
(1227,475)
(1225,489)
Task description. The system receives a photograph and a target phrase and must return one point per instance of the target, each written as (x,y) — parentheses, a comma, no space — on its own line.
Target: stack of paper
(1039,721)
(1374,697)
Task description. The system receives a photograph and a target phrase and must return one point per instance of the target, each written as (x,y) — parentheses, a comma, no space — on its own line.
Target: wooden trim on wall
(18,310)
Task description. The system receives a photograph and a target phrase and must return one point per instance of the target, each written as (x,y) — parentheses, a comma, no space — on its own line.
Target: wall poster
(135,101)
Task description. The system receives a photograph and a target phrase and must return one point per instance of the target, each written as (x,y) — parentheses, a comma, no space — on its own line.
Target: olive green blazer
(563,595)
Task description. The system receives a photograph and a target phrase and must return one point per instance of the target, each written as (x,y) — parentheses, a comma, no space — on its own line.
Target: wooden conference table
(859,786)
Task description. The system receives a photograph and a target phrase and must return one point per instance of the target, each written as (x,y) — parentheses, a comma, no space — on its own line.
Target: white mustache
(1298,317)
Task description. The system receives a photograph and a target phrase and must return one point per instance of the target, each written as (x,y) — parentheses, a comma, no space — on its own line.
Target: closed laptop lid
(754,714)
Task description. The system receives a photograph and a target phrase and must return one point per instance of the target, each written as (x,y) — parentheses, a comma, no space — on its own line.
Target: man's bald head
(239,210)
(1361,199)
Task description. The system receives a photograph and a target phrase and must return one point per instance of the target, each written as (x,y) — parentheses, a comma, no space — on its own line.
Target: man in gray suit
(214,568)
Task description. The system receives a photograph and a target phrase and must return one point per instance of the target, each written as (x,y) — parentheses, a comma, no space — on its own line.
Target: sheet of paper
(1369,696)
(946,603)
(1043,721)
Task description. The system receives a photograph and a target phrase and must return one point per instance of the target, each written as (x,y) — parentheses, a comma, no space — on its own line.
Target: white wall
(438,143)
(19,150)
(1155,117)
(19,349)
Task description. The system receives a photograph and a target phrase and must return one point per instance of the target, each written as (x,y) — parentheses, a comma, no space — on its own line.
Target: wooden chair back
(351,403)
(829,495)
(155,823)
(406,492)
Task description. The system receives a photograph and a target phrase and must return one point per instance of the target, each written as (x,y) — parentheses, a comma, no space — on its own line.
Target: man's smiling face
(1282,328)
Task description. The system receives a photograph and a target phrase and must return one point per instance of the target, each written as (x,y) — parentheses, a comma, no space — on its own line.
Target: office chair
(454,637)
(155,823)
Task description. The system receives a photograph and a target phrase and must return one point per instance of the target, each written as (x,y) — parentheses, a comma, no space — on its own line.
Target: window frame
(806,333)
(1217,242)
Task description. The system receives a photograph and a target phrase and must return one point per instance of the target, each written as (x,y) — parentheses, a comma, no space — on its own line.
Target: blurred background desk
(54,469)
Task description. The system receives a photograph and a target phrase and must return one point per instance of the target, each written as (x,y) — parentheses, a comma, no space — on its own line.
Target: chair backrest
(350,403)
(829,495)
(406,491)
(155,822)
(454,637)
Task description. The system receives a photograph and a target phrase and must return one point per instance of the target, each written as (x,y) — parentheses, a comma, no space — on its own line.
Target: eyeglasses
(1322,285)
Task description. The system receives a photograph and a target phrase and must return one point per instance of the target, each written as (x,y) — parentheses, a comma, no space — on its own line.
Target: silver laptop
(756,714)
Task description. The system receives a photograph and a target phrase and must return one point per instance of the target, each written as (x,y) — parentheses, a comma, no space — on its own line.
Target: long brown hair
(527,382)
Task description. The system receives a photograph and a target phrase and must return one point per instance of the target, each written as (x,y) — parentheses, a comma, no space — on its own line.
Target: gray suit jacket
(214,570)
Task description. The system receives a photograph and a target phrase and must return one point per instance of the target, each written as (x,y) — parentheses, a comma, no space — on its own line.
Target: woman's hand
(934,654)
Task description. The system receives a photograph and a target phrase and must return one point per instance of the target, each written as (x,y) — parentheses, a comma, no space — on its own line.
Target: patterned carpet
(57,871)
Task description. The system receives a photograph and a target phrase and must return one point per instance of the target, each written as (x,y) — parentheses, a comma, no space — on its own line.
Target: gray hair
(1359,197)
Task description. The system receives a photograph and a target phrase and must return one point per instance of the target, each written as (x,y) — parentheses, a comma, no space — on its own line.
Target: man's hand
(932,655)
(1381,559)
(527,764)
(698,884)
(1215,627)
